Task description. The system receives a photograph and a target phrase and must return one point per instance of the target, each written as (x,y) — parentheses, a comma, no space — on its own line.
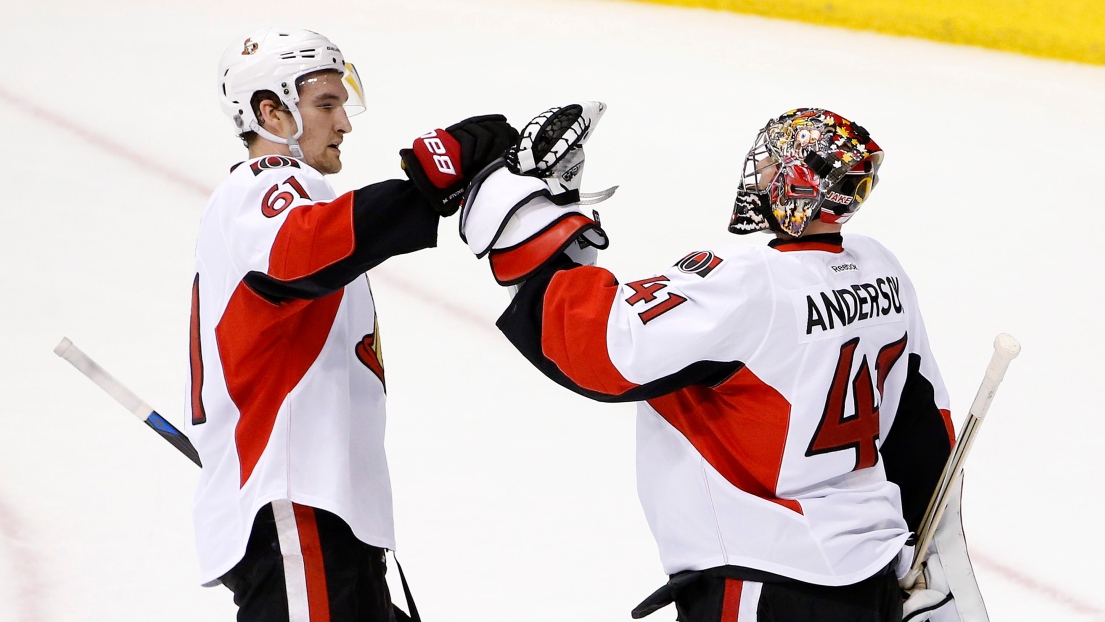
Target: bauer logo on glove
(438,161)
(433,147)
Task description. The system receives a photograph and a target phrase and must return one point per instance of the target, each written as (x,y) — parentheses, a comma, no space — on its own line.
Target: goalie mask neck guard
(807,163)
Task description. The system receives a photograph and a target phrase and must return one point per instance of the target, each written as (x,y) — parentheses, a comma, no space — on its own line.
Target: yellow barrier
(1063,29)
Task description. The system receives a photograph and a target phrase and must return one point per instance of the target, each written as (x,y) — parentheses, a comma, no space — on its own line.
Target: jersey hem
(214,579)
(801,575)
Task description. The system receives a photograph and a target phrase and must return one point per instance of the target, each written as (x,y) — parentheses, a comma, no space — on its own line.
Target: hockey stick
(124,396)
(1006,349)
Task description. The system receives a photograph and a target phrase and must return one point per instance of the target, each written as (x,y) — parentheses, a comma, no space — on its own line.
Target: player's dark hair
(255,102)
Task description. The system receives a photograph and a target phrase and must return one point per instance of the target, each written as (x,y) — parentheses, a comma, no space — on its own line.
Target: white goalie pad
(511,218)
(505,210)
(950,593)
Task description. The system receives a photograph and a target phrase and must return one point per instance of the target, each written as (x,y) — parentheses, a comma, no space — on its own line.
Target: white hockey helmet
(272,60)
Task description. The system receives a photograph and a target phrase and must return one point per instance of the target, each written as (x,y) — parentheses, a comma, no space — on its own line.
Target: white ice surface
(515,499)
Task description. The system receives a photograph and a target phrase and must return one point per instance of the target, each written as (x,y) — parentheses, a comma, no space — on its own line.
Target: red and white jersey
(791,419)
(286,387)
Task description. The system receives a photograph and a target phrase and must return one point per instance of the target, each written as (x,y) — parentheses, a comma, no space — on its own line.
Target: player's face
(767,169)
(325,123)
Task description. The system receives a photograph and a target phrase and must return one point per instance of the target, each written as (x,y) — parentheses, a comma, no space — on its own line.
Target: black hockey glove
(442,162)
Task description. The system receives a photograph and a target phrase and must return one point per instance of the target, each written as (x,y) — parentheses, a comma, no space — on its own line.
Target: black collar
(831,242)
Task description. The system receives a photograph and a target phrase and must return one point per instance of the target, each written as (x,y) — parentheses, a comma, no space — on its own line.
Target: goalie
(792,423)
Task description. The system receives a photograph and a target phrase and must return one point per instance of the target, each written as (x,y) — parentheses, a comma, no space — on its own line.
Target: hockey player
(287,386)
(792,423)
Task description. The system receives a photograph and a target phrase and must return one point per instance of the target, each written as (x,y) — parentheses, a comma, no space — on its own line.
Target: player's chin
(328,164)
(334,155)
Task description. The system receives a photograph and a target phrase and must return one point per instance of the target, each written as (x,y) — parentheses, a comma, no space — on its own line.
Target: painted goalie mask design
(807,163)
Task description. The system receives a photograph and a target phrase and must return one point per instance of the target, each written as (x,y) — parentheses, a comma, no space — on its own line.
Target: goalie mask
(274,60)
(808,163)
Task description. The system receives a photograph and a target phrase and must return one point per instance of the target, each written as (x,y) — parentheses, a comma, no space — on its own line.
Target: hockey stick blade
(1006,348)
(124,396)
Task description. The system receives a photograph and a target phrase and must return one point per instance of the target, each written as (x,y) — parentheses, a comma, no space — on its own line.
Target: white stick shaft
(104,380)
(1006,349)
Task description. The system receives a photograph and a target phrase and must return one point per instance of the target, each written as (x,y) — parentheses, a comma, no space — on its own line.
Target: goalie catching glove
(442,162)
(524,210)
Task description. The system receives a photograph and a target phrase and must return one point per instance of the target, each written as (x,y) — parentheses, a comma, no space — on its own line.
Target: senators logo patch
(271,162)
(371,355)
(701,263)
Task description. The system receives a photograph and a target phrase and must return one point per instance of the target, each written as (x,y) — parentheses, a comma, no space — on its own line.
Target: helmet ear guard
(820,165)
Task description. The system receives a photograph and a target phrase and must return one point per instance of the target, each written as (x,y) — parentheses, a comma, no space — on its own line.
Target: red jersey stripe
(517,263)
(739,427)
(573,330)
(809,246)
(946,415)
(731,602)
(313,237)
(318,597)
(265,350)
(195,357)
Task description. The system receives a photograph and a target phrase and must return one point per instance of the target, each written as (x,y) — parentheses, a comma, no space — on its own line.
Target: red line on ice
(26,585)
(1048,591)
(100,141)
(422,295)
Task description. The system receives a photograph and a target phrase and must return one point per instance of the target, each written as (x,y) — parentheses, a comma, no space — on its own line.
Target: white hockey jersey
(286,387)
(791,419)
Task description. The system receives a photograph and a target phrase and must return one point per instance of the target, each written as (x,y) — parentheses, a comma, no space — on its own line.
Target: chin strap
(293,147)
(292,141)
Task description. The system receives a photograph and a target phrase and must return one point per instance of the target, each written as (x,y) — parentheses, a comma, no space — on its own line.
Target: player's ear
(275,118)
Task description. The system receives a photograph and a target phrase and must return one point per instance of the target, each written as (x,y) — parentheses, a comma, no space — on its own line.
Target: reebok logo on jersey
(845,267)
(838,308)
